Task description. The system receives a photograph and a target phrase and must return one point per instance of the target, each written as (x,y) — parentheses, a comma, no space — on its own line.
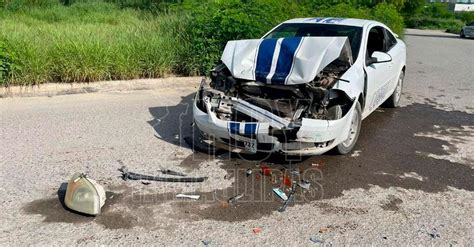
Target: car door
(378,75)
(396,52)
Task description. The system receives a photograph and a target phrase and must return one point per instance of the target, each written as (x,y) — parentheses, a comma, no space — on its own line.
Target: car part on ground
(193,197)
(126,175)
(84,195)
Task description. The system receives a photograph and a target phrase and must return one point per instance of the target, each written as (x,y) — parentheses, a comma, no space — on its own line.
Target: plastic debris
(295,172)
(323,230)
(304,184)
(257,230)
(266,171)
(194,197)
(316,240)
(84,195)
(249,172)
(135,176)
(234,199)
(287,202)
(174,173)
(434,233)
(280,193)
(146,183)
(287,181)
(206,242)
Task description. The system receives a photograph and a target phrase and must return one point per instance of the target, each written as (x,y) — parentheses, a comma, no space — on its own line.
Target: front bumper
(313,137)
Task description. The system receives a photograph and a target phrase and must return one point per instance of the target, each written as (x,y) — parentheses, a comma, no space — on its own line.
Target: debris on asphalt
(295,172)
(257,230)
(126,175)
(84,195)
(249,172)
(304,184)
(280,193)
(206,242)
(266,170)
(234,199)
(146,183)
(316,240)
(174,173)
(434,233)
(287,181)
(287,202)
(323,230)
(194,197)
(318,164)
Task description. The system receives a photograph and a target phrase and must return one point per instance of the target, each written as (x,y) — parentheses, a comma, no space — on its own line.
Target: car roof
(334,20)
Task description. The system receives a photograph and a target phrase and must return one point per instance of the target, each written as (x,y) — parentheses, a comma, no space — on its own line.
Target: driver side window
(375,42)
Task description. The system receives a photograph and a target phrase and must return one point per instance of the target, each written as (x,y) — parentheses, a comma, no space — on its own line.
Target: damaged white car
(303,89)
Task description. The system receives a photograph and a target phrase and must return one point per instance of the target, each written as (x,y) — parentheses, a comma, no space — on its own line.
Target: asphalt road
(409,182)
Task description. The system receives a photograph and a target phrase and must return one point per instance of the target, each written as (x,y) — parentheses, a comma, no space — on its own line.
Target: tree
(412,7)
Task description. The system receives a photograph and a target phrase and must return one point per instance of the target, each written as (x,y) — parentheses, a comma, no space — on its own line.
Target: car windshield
(320,30)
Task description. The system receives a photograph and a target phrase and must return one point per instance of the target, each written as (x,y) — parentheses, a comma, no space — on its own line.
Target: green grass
(88,42)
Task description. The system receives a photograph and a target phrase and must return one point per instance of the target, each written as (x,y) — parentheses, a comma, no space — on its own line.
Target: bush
(423,22)
(383,12)
(466,17)
(210,25)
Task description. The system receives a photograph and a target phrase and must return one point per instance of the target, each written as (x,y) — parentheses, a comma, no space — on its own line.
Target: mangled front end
(277,95)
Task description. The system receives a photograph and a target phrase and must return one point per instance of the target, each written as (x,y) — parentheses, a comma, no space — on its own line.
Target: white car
(302,89)
(467,31)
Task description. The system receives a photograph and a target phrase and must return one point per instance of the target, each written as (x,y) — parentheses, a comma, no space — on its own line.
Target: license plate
(250,145)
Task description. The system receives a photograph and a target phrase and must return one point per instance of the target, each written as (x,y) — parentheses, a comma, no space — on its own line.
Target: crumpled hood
(283,61)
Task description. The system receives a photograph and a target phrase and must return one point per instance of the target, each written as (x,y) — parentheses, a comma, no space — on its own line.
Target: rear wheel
(462,34)
(347,145)
(394,99)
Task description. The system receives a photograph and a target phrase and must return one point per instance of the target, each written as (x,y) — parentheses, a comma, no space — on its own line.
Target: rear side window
(390,40)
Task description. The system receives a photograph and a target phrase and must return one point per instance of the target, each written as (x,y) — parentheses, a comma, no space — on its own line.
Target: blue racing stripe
(250,129)
(264,59)
(233,127)
(285,59)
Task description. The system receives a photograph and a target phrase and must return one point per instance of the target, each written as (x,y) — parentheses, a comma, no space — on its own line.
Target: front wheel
(462,34)
(394,100)
(347,145)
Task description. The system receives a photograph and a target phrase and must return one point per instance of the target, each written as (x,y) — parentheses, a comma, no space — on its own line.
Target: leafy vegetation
(85,40)
(436,16)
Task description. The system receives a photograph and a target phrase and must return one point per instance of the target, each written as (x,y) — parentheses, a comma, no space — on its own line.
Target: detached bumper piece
(126,175)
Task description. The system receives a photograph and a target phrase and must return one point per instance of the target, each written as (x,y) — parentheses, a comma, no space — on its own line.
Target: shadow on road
(173,123)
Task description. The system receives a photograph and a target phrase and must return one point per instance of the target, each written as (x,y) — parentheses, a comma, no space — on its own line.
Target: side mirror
(380,57)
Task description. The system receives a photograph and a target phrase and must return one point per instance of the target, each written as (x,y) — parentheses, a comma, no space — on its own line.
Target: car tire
(394,100)
(462,34)
(347,145)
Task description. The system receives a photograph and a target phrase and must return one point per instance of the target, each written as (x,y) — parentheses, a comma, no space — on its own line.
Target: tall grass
(88,41)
